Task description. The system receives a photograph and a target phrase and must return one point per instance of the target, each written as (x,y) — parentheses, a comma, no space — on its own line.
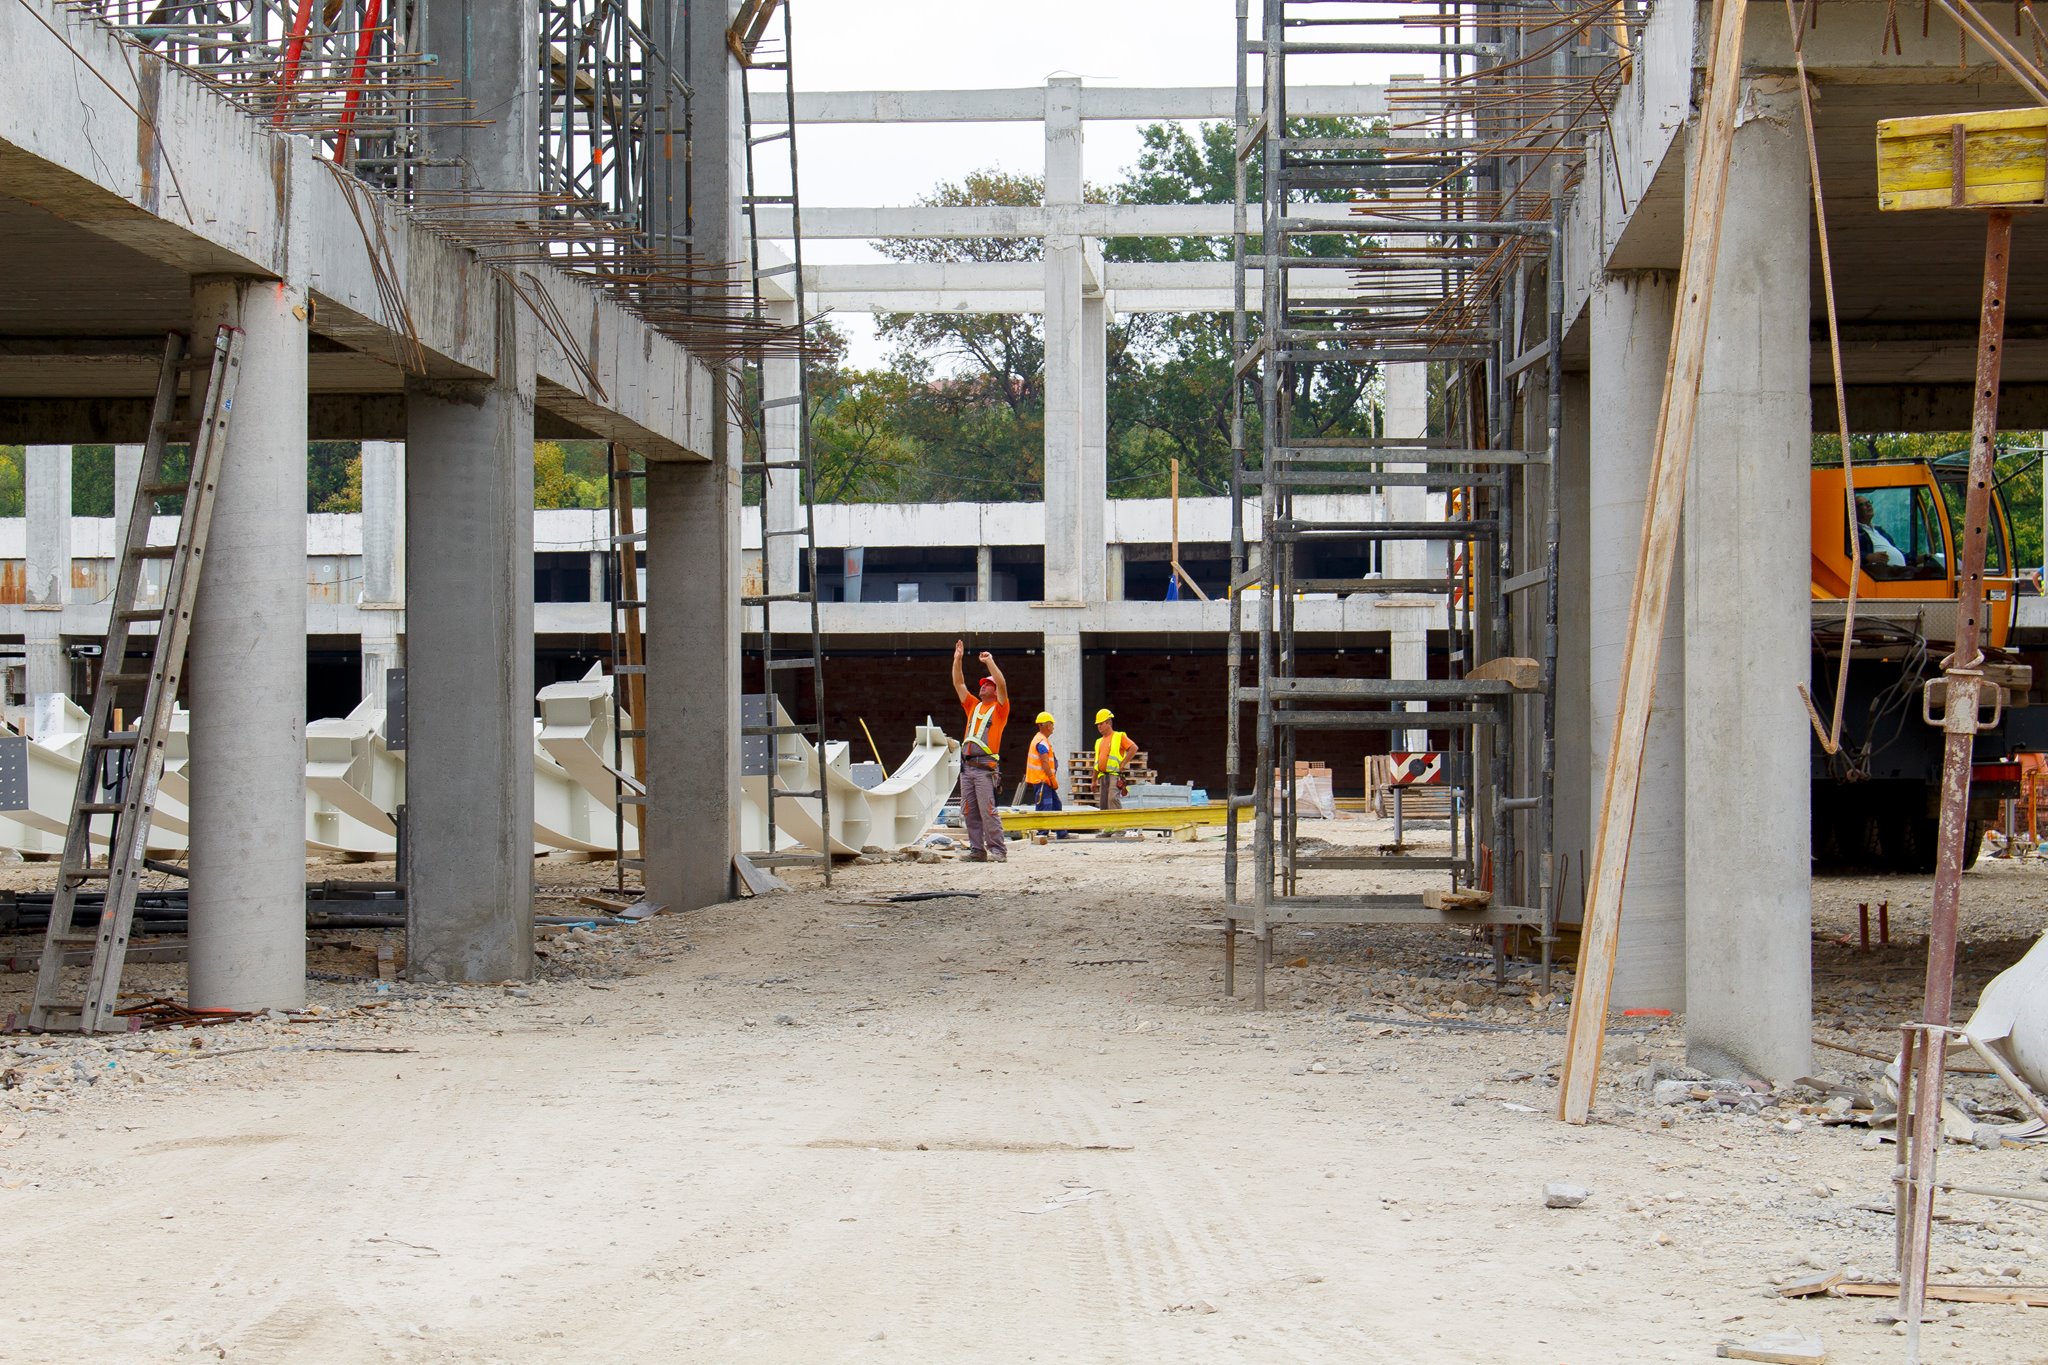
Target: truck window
(1994,540)
(1898,534)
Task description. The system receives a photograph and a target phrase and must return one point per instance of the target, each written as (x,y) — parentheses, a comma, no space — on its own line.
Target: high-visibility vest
(1041,764)
(977,725)
(1109,752)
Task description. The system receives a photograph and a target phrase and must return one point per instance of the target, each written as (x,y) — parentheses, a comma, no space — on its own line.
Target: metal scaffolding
(1449,228)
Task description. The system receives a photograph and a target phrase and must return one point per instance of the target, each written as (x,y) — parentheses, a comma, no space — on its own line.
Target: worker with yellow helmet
(1042,768)
(1113,751)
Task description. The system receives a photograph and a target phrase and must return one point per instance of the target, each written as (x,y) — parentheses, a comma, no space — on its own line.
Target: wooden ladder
(119,769)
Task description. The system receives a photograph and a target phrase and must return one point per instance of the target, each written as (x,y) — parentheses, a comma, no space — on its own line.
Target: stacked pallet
(1081,774)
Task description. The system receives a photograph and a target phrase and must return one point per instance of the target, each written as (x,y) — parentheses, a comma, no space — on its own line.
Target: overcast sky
(930,45)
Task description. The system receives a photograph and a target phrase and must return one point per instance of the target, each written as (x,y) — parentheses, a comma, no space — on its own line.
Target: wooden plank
(1662,510)
(2024,1296)
(2004,157)
(1442,898)
(754,880)
(1524,675)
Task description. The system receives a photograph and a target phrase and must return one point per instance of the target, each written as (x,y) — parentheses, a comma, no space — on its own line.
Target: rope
(1831,737)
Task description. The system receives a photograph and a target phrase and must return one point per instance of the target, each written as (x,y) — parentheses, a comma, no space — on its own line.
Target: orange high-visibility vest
(980,721)
(1041,764)
(1110,750)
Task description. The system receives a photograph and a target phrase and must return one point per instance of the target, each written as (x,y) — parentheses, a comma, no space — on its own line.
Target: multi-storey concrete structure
(205,214)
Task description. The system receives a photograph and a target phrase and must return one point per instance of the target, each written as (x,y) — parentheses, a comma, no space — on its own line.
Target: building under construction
(1623,290)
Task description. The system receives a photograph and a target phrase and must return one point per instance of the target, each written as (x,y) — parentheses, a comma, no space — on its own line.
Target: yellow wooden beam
(1142,817)
(2002,153)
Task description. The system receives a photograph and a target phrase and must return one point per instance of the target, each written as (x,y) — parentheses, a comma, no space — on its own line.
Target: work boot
(978,856)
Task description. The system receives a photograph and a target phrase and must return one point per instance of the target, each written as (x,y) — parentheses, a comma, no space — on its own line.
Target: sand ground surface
(1017,1125)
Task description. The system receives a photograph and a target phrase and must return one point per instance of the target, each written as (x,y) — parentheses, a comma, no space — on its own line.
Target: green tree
(556,485)
(92,481)
(13,487)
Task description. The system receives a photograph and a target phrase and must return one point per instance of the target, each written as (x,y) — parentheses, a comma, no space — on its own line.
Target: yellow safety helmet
(1044,718)
(1104,714)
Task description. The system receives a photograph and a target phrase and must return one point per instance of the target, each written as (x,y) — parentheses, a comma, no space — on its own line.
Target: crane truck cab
(1907,535)
(1876,799)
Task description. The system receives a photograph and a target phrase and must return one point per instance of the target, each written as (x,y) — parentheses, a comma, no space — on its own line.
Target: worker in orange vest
(1042,768)
(988,709)
(1112,752)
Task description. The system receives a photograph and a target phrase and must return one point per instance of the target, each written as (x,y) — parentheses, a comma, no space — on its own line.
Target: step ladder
(629,664)
(786,417)
(121,767)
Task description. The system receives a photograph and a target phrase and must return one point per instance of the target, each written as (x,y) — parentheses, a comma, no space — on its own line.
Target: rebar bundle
(612,206)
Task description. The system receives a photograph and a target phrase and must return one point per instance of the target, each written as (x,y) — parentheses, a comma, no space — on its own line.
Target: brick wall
(895,691)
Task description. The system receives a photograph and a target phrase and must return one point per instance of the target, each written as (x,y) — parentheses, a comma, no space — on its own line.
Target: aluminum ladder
(121,768)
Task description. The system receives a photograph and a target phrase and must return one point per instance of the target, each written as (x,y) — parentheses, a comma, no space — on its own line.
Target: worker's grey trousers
(978,811)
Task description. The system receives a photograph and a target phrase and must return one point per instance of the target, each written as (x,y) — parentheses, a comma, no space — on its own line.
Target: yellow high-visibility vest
(1109,752)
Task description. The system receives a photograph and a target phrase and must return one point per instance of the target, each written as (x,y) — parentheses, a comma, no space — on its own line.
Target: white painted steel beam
(1099,102)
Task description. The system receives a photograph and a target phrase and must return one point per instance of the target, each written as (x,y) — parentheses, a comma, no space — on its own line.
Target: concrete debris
(1806,1285)
(1558,1195)
(1790,1347)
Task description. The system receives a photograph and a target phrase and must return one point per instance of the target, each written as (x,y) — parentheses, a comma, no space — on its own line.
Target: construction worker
(1112,752)
(1042,769)
(988,708)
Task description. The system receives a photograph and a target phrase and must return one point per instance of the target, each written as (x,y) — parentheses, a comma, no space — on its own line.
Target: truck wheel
(1910,842)
(1973,841)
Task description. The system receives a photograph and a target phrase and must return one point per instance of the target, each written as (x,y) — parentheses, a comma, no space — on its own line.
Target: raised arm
(988,661)
(959,679)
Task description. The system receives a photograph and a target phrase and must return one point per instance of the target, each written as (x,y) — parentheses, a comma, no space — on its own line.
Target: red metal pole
(1964,674)
(294,53)
(373,14)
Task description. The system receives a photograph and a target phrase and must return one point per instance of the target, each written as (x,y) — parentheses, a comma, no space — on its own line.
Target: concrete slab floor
(1019,1126)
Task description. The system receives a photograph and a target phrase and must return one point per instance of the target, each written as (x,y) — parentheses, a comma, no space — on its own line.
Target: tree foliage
(959,411)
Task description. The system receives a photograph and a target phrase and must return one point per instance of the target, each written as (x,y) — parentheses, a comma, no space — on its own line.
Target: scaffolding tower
(1447,220)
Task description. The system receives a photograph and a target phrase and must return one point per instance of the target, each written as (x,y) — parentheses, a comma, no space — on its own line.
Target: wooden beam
(1662,511)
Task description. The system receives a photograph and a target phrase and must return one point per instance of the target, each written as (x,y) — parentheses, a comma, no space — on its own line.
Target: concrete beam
(210,190)
(1087,220)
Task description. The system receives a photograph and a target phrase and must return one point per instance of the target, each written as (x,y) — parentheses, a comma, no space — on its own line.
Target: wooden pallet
(1081,774)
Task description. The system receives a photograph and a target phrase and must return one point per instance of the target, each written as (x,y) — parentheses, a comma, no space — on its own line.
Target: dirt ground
(1020,1125)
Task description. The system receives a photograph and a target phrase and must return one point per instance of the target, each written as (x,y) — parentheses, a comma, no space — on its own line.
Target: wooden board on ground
(756,881)
(2026,1296)
(1792,1347)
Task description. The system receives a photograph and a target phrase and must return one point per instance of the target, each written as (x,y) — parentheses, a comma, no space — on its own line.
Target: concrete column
(468,540)
(47,489)
(1066,516)
(1405,415)
(1065,695)
(469,689)
(1748,899)
(246,668)
(692,594)
(693,647)
(1094,489)
(383,522)
(1630,322)
(382,604)
(1574,781)
(781,378)
(127,473)
(984,573)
